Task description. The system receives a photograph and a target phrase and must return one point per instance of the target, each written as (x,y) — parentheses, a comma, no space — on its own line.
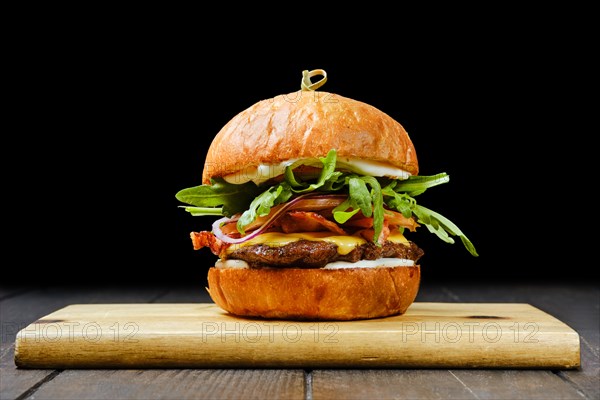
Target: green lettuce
(218,198)
(366,194)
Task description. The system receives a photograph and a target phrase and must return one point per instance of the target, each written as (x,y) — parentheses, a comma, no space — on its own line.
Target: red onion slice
(307,201)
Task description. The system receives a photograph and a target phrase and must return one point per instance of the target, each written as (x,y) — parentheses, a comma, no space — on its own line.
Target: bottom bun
(316,294)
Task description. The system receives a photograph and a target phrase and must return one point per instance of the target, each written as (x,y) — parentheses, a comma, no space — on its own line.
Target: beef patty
(316,254)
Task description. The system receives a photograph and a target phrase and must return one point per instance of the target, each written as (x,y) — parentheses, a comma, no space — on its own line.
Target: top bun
(307,124)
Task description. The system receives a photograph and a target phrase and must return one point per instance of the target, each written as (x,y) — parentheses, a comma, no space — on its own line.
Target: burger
(316,195)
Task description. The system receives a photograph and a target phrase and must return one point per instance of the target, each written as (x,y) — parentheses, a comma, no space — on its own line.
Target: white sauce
(380,263)
(264,172)
(232,264)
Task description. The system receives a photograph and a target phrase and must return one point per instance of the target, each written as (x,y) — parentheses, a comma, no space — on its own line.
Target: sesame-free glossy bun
(307,124)
(314,294)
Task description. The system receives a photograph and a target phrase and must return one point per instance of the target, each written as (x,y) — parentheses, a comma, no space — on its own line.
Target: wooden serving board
(430,335)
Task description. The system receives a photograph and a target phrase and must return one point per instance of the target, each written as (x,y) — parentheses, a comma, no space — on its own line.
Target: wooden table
(576,305)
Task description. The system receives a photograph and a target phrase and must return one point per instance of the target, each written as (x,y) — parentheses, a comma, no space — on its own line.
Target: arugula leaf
(416,185)
(361,199)
(262,204)
(340,214)
(336,182)
(437,222)
(232,198)
(291,179)
(329,163)
(360,195)
(199,211)
(399,201)
(377,199)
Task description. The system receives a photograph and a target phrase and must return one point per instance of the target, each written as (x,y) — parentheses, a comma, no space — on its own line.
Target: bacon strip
(308,221)
(395,218)
(207,239)
(360,223)
(369,233)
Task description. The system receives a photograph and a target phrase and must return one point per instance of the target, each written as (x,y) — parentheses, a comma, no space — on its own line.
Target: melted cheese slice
(345,244)
(263,172)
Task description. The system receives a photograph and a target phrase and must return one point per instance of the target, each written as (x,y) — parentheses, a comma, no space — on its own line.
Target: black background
(111,126)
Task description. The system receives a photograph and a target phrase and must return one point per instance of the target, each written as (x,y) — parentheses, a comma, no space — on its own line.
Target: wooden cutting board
(430,335)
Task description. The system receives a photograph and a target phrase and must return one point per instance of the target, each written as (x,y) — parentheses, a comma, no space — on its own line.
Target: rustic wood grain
(587,378)
(14,382)
(175,384)
(387,384)
(439,384)
(19,311)
(576,305)
(464,335)
(481,384)
(513,384)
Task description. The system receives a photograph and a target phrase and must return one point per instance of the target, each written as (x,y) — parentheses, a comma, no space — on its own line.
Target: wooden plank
(112,384)
(387,384)
(175,384)
(486,293)
(202,335)
(576,305)
(587,378)
(579,306)
(19,311)
(13,383)
(439,384)
(482,384)
(374,384)
(512,384)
